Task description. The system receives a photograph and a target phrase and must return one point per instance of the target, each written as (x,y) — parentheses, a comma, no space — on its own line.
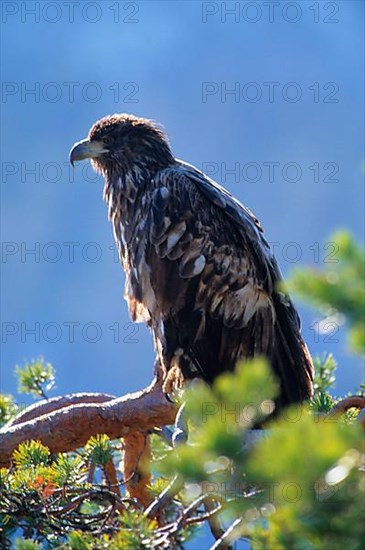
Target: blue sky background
(159,57)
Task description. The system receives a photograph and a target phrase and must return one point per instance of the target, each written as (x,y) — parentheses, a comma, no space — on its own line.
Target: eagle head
(122,141)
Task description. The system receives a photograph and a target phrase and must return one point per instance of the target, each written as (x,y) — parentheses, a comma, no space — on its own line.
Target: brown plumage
(198,268)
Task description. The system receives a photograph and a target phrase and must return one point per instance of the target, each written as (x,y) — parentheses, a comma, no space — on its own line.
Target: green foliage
(78,540)
(36,378)
(99,450)
(324,378)
(299,486)
(339,287)
(26,544)
(219,419)
(31,454)
(324,369)
(318,502)
(322,402)
(159,447)
(8,408)
(68,469)
(137,532)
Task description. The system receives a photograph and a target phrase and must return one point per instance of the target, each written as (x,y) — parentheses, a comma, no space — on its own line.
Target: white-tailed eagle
(198,269)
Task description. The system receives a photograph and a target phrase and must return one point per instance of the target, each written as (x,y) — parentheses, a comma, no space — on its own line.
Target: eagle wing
(215,281)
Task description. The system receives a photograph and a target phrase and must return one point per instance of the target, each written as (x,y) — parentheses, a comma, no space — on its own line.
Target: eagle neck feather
(125,191)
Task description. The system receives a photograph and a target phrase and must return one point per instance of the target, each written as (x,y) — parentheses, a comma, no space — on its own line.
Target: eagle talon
(169,399)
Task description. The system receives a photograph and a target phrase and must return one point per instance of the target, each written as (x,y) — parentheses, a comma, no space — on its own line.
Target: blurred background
(266,97)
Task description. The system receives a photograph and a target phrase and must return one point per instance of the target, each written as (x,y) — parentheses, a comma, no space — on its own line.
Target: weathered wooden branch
(47,406)
(137,453)
(110,473)
(74,420)
(353,401)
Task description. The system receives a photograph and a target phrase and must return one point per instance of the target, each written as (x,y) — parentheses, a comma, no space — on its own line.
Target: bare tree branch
(70,427)
(47,406)
(111,476)
(228,536)
(137,453)
(165,497)
(351,402)
(354,401)
(214,523)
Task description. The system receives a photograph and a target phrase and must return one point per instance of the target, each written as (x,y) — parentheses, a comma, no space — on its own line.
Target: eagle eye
(108,140)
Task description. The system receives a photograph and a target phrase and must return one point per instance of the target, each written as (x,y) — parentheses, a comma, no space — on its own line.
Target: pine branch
(70,426)
(46,406)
